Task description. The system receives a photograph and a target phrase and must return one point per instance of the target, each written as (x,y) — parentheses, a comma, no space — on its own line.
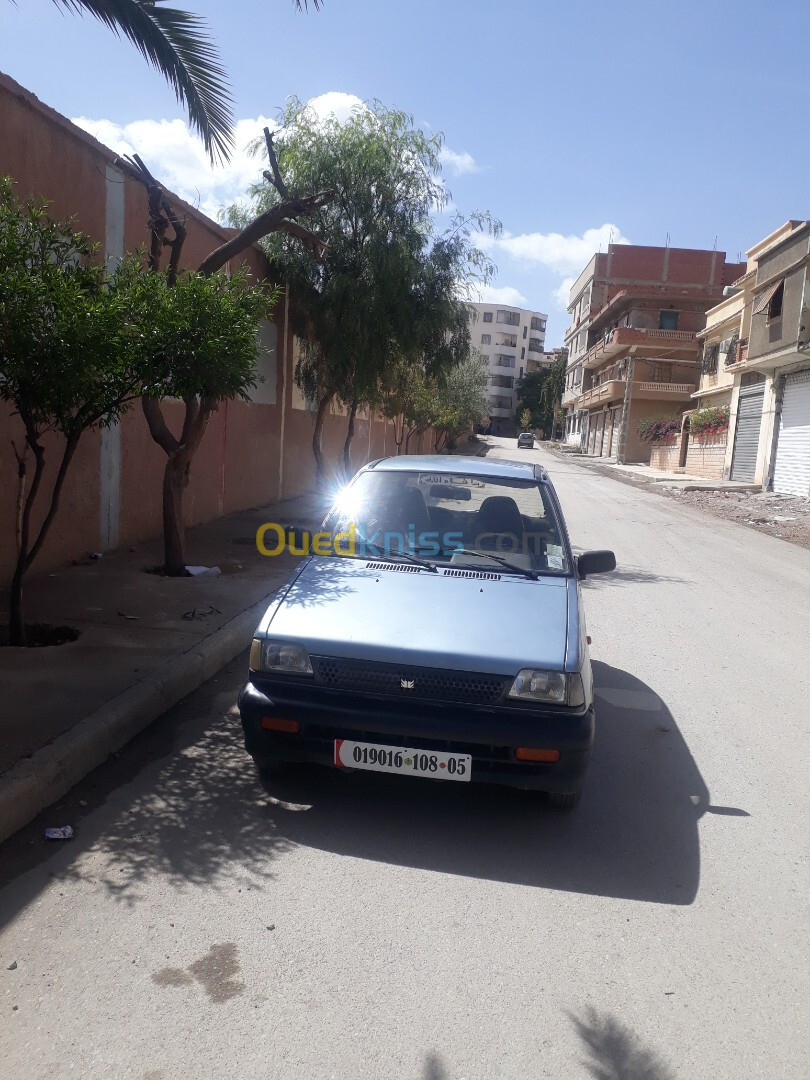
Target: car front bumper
(489,734)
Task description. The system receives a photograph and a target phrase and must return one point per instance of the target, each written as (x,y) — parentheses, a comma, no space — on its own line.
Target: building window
(732,349)
(487,316)
(509,340)
(522,353)
(521,373)
(775,305)
(507,381)
(486,339)
(538,324)
(668,320)
(503,360)
(511,318)
(525,328)
(535,344)
(708,364)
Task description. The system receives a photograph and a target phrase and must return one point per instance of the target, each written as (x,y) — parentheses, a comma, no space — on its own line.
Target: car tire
(268,766)
(564,800)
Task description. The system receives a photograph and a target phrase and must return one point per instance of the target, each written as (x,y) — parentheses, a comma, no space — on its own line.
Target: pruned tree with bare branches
(188,358)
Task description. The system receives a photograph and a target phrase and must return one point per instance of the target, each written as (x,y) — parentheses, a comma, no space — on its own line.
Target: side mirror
(595,562)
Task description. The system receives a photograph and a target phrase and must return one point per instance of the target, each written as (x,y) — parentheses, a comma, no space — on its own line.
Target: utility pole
(628,393)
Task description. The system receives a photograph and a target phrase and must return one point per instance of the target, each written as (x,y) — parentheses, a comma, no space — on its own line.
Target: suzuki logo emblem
(406,684)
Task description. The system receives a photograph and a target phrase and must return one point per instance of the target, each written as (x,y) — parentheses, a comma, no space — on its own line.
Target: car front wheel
(564,800)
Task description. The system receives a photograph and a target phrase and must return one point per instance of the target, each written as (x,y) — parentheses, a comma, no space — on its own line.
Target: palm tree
(177,43)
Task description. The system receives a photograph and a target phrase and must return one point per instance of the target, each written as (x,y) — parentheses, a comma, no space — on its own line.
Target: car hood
(398,614)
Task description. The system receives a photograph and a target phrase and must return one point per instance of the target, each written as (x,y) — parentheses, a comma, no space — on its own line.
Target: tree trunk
(28,552)
(317,439)
(175,482)
(347,446)
(16,625)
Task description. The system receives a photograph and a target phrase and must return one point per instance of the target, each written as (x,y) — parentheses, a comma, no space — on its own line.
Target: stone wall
(666,455)
(706,458)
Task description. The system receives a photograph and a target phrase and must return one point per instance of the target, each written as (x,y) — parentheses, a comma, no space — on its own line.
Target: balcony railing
(613,389)
(624,338)
(678,388)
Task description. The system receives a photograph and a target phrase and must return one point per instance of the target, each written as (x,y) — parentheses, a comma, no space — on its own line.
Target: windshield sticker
(554,557)
(443,478)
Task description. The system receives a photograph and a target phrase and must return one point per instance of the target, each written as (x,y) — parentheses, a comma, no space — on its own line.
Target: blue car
(434,630)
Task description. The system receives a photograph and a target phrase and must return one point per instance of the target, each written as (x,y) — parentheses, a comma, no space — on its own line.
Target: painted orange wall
(252,453)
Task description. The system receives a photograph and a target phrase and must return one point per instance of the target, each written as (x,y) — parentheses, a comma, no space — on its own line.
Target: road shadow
(631,575)
(183,802)
(634,835)
(615,1052)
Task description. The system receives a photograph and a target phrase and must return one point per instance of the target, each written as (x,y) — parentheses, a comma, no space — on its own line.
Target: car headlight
(269,655)
(552,687)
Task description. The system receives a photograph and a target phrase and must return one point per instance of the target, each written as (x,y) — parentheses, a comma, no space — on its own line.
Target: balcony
(662,390)
(497,411)
(625,339)
(610,390)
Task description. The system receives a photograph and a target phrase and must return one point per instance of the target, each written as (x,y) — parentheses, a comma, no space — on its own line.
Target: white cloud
(501,294)
(561,293)
(178,159)
(335,103)
(458,164)
(562,254)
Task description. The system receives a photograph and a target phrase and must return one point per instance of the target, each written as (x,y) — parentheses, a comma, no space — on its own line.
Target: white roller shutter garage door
(791,474)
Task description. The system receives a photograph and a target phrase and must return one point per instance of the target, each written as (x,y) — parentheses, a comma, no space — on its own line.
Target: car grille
(404,683)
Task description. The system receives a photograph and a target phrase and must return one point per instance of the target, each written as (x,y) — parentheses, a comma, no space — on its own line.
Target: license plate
(434,764)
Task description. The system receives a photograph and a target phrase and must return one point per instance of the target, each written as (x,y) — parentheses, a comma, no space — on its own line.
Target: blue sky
(567,121)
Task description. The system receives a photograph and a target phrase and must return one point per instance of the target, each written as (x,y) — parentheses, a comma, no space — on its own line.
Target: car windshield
(450,519)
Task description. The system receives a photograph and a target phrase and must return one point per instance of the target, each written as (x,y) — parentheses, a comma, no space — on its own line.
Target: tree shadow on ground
(615,1053)
(633,836)
(184,803)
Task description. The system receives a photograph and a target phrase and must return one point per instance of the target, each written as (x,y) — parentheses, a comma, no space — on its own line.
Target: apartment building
(510,338)
(756,361)
(633,348)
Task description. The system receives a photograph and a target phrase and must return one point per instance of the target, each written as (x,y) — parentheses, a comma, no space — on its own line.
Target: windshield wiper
(531,574)
(387,555)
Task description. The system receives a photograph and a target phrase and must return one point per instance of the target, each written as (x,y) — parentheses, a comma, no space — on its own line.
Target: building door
(746,434)
(791,474)
(615,427)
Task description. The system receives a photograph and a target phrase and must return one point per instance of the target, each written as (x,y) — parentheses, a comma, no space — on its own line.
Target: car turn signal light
(279,723)
(528,753)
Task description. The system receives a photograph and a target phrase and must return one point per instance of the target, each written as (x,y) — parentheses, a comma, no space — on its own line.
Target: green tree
(200,376)
(177,43)
(462,400)
(532,398)
(197,341)
(67,361)
(384,292)
(553,389)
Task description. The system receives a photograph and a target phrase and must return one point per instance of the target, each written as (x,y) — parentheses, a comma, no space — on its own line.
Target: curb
(36,782)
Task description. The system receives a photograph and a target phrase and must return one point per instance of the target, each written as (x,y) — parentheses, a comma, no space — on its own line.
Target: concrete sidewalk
(646,474)
(145,643)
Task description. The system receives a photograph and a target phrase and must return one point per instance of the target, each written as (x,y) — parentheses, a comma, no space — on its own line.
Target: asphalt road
(202,926)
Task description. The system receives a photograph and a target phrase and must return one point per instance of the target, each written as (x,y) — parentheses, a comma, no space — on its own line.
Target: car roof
(465,466)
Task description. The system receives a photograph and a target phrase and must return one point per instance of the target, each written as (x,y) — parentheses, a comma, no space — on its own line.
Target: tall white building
(509,337)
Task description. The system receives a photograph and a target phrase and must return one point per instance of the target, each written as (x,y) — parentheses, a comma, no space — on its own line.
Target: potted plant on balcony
(663,433)
(709,426)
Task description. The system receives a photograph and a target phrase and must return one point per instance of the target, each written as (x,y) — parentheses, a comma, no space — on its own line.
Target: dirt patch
(41,635)
(786,517)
